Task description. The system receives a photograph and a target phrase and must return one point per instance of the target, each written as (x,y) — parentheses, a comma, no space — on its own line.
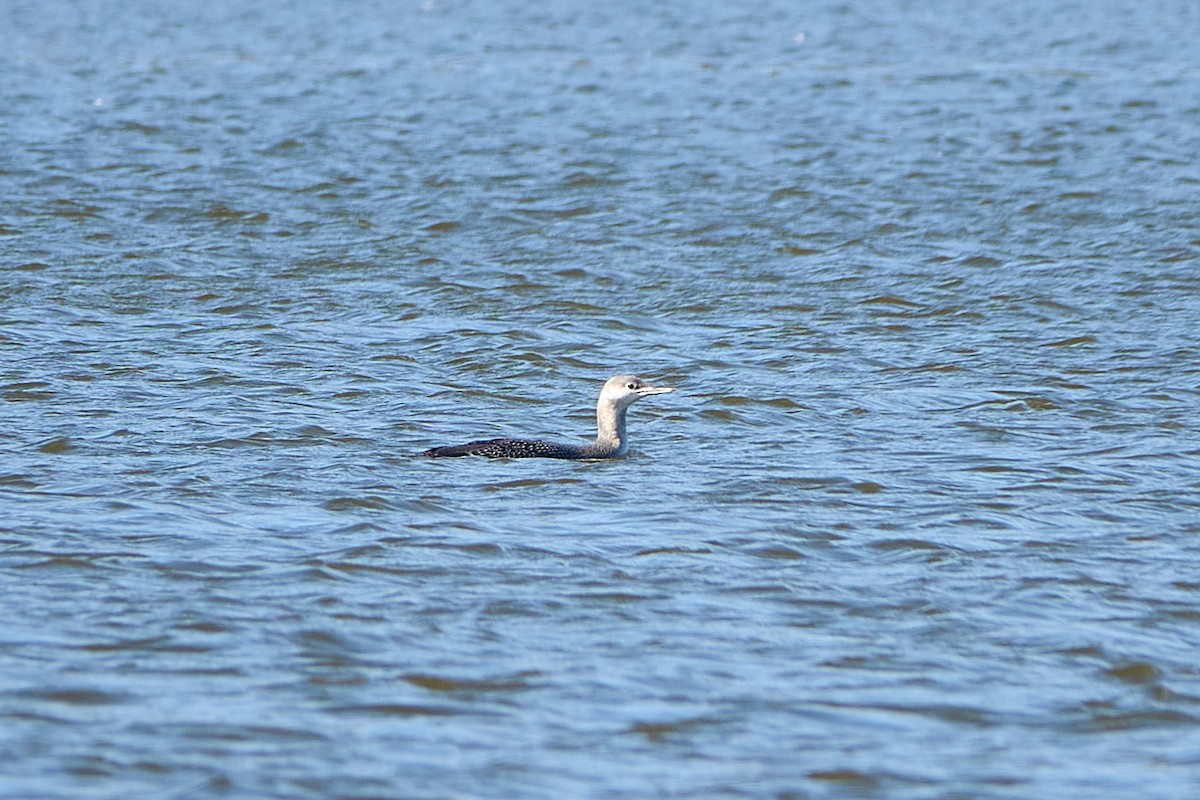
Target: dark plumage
(508,448)
(618,394)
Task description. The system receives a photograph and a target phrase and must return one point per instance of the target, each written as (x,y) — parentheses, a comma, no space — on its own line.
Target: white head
(625,390)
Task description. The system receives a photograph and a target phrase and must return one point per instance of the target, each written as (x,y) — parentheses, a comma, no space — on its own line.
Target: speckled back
(509,448)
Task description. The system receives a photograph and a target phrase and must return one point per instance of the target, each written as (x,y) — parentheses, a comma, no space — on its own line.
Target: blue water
(917,524)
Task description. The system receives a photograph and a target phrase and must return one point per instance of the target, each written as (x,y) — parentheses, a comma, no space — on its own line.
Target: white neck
(610,427)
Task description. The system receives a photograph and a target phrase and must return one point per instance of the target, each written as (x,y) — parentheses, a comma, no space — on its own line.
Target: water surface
(918,523)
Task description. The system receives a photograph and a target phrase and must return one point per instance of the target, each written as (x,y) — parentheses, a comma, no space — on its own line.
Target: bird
(612,441)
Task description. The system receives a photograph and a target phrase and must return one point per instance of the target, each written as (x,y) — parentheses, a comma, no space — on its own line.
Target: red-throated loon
(618,394)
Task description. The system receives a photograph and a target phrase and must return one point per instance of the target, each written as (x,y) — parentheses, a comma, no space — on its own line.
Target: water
(918,524)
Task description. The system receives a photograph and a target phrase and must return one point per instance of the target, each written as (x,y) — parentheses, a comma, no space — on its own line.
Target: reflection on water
(917,524)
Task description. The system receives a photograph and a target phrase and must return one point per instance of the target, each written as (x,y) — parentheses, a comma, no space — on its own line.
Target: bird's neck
(610,428)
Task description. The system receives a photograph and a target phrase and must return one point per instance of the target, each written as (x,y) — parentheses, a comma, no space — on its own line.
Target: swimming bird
(612,441)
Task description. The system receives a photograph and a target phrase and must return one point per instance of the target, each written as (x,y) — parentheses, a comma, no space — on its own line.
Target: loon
(618,394)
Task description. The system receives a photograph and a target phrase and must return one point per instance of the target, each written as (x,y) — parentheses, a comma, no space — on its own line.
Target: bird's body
(612,441)
(510,448)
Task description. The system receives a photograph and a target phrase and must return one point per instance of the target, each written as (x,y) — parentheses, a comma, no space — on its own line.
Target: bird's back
(508,448)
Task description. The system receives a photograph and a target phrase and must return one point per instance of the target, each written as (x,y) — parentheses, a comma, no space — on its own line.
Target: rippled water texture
(921,521)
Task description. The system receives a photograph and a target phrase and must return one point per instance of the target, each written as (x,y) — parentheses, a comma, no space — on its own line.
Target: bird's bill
(645,390)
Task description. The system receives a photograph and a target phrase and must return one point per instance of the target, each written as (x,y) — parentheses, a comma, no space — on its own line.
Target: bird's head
(624,390)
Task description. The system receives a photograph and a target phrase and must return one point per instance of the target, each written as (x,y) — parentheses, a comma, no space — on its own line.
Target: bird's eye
(631,386)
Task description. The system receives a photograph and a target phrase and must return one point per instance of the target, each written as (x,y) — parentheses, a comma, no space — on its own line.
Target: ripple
(394,710)
(76,697)
(435,683)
